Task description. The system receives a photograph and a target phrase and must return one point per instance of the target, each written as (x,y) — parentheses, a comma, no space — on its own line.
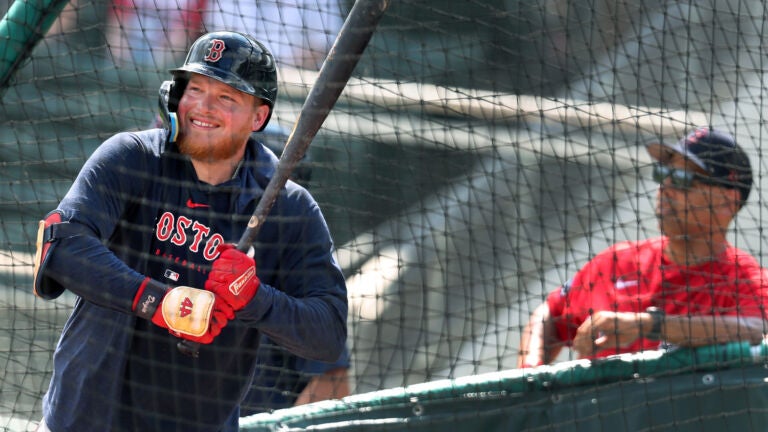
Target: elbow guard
(49,231)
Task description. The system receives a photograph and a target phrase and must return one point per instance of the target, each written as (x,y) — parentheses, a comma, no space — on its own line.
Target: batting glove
(189,313)
(233,277)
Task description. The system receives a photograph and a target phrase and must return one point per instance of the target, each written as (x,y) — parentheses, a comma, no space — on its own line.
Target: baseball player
(144,239)
(689,287)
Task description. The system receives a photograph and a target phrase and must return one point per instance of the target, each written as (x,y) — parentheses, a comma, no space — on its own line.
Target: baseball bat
(337,68)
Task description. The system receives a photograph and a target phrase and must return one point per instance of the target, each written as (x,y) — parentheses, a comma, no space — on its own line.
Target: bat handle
(189,348)
(192,349)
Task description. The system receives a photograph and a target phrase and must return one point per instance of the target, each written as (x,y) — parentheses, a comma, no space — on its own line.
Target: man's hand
(189,313)
(233,277)
(606,329)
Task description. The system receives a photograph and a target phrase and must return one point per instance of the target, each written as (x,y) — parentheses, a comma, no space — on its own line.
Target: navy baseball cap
(714,151)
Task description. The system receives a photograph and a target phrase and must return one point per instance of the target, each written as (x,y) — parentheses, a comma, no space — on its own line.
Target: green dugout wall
(717,388)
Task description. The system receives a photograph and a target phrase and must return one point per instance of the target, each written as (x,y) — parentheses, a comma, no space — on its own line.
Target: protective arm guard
(50,230)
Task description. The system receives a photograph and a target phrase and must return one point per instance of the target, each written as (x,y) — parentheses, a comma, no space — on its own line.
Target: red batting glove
(233,277)
(221,314)
(189,313)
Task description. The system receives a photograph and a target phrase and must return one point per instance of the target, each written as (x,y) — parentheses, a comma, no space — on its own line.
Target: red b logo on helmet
(215,51)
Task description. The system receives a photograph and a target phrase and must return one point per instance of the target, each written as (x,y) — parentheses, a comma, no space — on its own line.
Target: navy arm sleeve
(306,312)
(114,175)
(314,367)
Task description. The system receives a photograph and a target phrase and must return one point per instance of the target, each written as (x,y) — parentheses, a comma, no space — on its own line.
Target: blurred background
(482,153)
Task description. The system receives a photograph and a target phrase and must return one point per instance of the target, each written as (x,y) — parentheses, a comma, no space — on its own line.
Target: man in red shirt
(689,287)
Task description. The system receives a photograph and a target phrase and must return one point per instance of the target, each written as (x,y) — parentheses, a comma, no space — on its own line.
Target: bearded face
(216,120)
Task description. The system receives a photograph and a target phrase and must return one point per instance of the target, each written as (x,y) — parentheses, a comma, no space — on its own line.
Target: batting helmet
(235,59)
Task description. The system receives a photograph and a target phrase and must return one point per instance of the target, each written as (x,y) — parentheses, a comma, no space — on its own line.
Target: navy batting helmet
(235,59)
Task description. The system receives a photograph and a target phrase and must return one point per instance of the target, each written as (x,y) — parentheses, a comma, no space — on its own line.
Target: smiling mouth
(203,124)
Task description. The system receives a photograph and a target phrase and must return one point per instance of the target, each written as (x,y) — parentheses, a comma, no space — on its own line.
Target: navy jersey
(145,213)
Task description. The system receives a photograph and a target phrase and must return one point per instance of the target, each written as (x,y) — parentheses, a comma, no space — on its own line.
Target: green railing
(715,388)
(23,26)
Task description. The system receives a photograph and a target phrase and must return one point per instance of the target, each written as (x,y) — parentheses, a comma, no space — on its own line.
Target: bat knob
(188,348)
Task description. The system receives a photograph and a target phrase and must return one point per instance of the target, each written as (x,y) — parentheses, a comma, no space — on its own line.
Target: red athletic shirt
(632,276)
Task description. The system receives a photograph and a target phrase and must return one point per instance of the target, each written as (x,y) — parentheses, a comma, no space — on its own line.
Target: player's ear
(727,205)
(261,116)
(735,201)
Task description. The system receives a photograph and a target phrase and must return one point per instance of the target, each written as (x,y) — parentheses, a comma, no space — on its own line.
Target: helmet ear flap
(175,92)
(169,96)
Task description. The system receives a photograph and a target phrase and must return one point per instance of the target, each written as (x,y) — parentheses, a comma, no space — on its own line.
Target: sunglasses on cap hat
(680,178)
(714,151)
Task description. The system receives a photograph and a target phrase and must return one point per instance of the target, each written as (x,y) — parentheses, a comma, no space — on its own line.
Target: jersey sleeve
(303,305)
(556,300)
(314,367)
(761,293)
(100,194)
(752,294)
(570,304)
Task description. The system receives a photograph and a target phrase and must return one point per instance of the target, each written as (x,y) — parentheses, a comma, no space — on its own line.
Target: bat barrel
(337,68)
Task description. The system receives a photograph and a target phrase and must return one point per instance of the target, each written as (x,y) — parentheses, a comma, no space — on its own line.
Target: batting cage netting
(482,153)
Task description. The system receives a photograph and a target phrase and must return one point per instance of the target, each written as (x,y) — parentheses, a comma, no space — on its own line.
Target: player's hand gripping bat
(334,74)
